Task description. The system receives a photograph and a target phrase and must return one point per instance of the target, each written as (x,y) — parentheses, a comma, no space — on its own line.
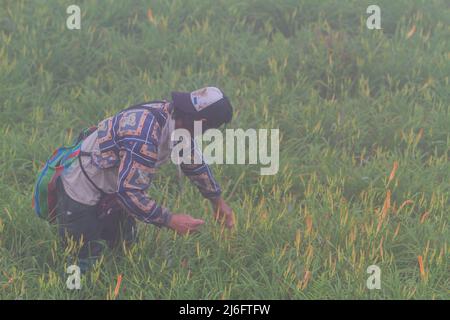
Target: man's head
(208,105)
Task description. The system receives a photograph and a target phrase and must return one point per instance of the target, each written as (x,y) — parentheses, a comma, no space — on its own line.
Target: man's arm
(135,175)
(137,167)
(201,176)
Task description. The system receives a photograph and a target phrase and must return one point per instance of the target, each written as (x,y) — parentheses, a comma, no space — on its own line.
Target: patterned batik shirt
(130,140)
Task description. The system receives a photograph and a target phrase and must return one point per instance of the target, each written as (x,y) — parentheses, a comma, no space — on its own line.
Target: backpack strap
(85,133)
(84,153)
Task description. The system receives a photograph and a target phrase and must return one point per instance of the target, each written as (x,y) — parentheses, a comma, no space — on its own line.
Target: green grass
(349,102)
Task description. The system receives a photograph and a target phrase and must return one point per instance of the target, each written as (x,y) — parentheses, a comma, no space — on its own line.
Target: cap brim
(182,101)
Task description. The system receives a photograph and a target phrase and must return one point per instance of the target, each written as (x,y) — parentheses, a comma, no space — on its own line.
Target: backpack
(44,195)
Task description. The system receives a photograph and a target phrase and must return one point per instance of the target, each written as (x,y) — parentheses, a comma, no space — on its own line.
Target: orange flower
(424,216)
(406,202)
(419,135)
(306,279)
(394,170)
(116,290)
(150,16)
(411,32)
(309,224)
(421,268)
(384,210)
(386,205)
(396,231)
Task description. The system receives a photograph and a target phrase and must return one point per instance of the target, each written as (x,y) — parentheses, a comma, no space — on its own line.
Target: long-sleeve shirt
(126,150)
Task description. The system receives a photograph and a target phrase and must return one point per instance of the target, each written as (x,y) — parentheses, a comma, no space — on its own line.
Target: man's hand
(184,223)
(222,212)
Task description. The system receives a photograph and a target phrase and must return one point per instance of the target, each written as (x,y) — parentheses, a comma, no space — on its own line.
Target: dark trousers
(83,225)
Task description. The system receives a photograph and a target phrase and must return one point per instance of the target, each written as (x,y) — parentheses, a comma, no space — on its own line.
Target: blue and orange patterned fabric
(130,141)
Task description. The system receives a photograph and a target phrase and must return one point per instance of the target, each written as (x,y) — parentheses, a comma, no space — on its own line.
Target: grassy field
(364,122)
